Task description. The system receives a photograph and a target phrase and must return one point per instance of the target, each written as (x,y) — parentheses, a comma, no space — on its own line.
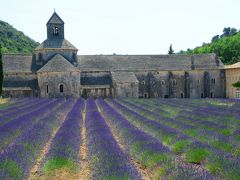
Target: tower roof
(56,44)
(58,64)
(55,19)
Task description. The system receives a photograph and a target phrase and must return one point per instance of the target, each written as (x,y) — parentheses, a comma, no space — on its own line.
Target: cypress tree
(170,50)
(1,70)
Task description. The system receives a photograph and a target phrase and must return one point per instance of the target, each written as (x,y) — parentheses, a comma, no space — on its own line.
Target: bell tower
(55,27)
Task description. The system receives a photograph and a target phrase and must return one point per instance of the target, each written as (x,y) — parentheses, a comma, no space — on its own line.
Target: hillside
(14,41)
(226,46)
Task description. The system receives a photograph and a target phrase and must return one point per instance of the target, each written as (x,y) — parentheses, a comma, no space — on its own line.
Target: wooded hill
(14,41)
(226,46)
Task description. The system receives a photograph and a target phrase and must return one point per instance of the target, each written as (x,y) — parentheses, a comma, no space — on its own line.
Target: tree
(233,31)
(215,38)
(170,51)
(228,32)
(1,70)
(236,85)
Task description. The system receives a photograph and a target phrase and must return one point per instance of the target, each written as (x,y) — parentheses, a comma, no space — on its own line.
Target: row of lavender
(208,125)
(216,152)
(106,158)
(148,150)
(35,129)
(64,149)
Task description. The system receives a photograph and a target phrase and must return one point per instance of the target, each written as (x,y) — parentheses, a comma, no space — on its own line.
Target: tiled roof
(14,63)
(207,61)
(58,64)
(55,19)
(56,44)
(121,77)
(233,66)
(147,62)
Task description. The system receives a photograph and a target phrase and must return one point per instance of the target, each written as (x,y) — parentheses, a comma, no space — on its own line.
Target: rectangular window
(238,94)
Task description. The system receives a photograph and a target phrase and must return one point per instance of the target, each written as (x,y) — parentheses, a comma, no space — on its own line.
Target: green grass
(191,132)
(168,139)
(222,145)
(179,146)
(216,166)
(226,132)
(153,159)
(173,111)
(196,155)
(58,163)
(238,137)
(15,172)
(148,157)
(219,103)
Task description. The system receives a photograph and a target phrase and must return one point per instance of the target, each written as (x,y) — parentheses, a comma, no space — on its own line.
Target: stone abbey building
(55,70)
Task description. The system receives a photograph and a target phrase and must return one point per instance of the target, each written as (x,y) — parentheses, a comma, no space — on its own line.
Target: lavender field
(120,139)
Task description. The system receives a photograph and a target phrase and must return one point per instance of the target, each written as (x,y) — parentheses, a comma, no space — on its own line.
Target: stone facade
(55,70)
(232,76)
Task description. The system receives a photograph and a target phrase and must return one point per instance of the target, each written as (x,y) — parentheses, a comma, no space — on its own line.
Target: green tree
(227,47)
(170,51)
(215,38)
(1,70)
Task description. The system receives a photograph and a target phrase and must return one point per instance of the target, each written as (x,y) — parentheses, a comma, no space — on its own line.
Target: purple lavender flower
(66,143)
(17,159)
(107,159)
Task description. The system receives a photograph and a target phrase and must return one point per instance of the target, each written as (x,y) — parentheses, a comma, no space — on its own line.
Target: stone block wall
(126,89)
(21,80)
(50,83)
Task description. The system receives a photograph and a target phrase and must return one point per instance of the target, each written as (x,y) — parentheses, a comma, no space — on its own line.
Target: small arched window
(47,90)
(61,88)
(55,31)
(145,95)
(211,95)
(182,95)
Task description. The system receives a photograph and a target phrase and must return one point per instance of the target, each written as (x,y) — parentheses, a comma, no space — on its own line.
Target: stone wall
(18,81)
(207,84)
(50,83)
(232,76)
(126,89)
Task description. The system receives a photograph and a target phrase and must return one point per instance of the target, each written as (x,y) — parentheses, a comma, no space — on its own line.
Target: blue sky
(126,26)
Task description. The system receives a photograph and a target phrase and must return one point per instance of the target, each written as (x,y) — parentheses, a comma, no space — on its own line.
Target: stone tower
(54,44)
(55,27)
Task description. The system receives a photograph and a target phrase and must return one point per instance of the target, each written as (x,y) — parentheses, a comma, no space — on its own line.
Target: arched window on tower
(55,31)
(61,88)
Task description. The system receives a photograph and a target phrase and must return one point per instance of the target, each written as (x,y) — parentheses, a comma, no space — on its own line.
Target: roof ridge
(57,63)
(55,15)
